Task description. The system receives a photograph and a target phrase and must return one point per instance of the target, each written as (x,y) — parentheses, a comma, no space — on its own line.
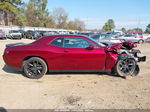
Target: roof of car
(66,35)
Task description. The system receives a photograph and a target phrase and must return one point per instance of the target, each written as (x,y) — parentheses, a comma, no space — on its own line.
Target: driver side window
(76,43)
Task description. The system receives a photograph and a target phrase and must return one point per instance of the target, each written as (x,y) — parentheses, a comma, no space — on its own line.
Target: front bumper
(138,59)
(142,59)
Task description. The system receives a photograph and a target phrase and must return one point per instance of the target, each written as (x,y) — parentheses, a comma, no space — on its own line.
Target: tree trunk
(6,18)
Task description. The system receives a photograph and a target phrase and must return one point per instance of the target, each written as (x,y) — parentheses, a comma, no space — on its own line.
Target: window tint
(76,43)
(57,42)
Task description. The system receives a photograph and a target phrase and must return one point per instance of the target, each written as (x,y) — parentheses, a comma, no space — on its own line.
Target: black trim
(79,71)
(142,59)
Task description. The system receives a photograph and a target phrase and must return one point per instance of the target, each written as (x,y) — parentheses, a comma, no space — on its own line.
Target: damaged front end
(127,48)
(135,53)
(126,58)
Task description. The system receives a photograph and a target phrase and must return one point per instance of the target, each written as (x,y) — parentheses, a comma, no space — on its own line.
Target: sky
(95,13)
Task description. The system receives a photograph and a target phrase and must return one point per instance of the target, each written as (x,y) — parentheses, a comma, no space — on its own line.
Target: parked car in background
(41,32)
(133,37)
(146,36)
(86,33)
(105,38)
(70,53)
(32,34)
(2,35)
(138,34)
(50,33)
(14,34)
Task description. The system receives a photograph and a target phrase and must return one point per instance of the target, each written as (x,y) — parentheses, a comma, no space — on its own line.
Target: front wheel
(34,68)
(125,67)
(141,41)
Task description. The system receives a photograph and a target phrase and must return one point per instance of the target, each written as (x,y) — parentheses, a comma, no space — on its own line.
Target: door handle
(66,51)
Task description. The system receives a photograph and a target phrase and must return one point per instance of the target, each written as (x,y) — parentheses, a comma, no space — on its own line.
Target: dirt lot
(74,91)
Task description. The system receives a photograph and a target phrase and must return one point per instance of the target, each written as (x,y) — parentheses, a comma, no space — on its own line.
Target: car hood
(117,46)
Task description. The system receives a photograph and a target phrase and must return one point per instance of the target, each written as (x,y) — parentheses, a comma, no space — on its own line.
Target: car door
(76,56)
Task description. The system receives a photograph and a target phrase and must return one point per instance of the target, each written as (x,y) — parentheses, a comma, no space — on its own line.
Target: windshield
(99,43)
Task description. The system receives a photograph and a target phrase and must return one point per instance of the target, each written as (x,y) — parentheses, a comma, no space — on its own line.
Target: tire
(141,41)
(137,71)
(123,40)
(34,68)
(126,67)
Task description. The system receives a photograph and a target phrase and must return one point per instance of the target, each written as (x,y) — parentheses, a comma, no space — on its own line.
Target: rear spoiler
(14,44)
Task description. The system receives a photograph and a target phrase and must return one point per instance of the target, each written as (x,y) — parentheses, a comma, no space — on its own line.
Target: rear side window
(76,43)
(57,42)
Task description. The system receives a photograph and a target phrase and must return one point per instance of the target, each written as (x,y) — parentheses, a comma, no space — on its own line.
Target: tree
(21,16)
(80,25)
(106,27)
(147,29)
(9,7)
(123,30)
(60,16)
(76,24)
(135,30)
(36,14)
(71,25)
(109,25)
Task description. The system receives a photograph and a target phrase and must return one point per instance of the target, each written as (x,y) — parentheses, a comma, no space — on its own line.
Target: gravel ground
(74,91)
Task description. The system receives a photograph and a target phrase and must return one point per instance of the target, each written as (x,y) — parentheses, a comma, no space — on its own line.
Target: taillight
(6,51)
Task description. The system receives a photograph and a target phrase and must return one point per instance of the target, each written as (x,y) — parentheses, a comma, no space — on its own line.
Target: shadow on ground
(8,69)
(2,109)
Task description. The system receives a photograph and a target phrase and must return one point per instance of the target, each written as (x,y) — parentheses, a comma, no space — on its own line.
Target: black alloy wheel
(126,67)
(34,68)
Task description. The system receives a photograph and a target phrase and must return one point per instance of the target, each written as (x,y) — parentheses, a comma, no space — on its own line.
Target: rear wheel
(34,68)
(125,67)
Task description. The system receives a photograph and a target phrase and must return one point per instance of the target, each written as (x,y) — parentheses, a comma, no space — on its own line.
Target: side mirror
(90,47)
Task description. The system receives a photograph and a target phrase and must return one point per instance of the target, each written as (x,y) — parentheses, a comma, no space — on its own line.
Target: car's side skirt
(80,71)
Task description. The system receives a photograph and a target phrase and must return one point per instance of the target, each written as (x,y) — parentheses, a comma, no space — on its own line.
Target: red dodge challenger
(72,53)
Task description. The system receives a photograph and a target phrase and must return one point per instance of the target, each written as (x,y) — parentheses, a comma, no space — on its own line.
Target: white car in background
(146,36)
(15,34)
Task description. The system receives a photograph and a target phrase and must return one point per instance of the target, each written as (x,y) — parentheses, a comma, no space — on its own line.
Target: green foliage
(147,29)
(135,30)
(35,14)
(10,7)
(109,25)
(123,30)
(106,27)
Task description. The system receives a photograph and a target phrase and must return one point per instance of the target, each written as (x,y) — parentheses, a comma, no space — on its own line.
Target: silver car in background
(132,37)
(105,38)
